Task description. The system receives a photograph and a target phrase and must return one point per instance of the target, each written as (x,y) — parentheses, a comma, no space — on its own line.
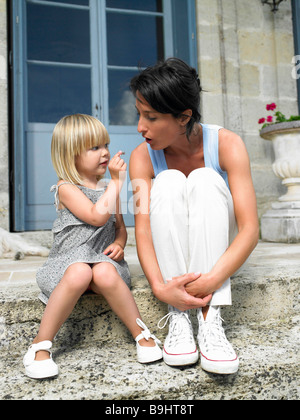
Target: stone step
(262,326)
(266,289)
(269,369)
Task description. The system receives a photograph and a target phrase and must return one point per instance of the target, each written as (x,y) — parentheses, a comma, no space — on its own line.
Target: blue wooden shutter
(184,30)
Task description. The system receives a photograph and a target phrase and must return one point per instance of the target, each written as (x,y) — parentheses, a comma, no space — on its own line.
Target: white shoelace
(214,337)
(180,331)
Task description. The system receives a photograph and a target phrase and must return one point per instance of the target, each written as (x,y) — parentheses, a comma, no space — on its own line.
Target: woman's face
(159,130)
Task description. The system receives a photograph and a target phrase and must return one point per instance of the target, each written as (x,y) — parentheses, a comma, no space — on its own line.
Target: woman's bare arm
(234,160)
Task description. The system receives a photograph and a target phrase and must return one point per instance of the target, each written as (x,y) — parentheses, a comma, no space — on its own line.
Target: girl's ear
(185,117)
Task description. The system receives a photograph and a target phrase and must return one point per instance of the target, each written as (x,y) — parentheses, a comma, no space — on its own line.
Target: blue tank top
(210,148)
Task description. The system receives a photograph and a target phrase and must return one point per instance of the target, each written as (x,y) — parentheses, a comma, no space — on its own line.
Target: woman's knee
(168,190)
(205,183)
(78,276)
(207,175)
(168,182)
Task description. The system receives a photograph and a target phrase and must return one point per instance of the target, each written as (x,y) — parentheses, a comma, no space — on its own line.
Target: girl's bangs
(96,135)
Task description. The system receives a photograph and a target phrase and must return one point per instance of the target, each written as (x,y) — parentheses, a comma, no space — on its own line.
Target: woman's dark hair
(170,87)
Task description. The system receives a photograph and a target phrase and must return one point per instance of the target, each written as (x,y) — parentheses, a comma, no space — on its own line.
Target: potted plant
(282,222)
(285,136)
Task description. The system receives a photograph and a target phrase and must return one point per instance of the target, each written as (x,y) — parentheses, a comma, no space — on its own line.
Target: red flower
(270,118)
(261,120)
(271,107)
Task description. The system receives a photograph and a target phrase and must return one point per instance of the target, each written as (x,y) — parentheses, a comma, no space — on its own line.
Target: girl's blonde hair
(73,135)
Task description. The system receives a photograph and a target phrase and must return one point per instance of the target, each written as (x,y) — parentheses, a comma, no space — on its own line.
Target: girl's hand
(117,167)
(115,252)
(174,293)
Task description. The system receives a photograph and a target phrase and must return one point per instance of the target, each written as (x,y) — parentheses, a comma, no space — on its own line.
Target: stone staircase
(97,356)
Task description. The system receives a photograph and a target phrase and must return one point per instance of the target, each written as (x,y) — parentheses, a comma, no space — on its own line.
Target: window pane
(58,34)
(78,2)
(57,91)
(149,5)
(137,42)
(122,109)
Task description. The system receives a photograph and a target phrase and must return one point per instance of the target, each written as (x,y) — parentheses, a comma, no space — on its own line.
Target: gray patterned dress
(76,241)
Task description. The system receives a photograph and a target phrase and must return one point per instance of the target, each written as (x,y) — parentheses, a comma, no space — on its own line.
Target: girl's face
(159,130)
(93,162)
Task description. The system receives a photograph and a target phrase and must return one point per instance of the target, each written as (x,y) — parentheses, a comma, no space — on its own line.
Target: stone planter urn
(282,222)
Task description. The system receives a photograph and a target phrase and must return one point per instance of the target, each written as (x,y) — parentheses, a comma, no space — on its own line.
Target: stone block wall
(245,61)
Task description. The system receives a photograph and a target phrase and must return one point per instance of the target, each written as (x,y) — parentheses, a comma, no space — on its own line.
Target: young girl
(89,241)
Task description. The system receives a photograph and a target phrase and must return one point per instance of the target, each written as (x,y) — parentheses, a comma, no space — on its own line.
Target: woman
(196,223)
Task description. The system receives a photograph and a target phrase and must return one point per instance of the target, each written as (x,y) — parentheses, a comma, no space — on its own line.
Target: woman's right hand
(117,167)
(174,293)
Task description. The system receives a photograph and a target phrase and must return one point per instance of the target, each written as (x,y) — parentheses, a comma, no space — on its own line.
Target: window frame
(168,47)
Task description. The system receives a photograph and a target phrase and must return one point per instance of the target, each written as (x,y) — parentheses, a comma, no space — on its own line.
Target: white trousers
(192,223)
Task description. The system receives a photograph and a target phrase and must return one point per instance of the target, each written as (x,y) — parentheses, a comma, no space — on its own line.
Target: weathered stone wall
(245,61)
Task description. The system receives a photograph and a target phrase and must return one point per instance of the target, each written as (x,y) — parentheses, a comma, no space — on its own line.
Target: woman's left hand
(115,252)
(201,287)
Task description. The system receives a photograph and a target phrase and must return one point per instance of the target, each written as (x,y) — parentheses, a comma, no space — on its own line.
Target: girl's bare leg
(106,281)
(62,302)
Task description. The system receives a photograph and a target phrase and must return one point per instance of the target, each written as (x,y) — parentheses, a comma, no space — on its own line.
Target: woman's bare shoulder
(232,149)
(140,164)
(229,139)
(141,151)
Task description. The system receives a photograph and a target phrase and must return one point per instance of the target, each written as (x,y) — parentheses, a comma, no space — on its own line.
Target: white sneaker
(39,369)
(180,348)
(217,354)
(147,354)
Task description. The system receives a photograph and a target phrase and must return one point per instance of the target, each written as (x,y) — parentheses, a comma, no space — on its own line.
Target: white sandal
(147,354)
(39,369)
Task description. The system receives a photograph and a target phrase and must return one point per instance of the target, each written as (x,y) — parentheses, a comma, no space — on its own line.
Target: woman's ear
(185,117)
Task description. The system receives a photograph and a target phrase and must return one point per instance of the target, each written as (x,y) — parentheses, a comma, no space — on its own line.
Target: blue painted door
(78,56)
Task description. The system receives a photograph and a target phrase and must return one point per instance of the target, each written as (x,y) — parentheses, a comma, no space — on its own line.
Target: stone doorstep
(253,289)
(265,333)
(25,269)
(92,320)
(269,369)
(279,258)
(266,289)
